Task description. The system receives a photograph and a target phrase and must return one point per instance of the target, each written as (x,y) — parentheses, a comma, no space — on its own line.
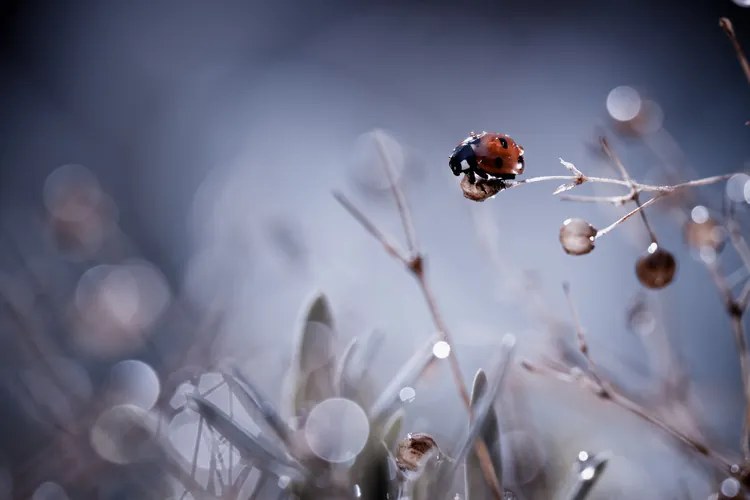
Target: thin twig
(613,396)
(736,311)
(398,196)
(628,215)
(415,264)
(583,346)
(726,25)
(634,192)
(389,247)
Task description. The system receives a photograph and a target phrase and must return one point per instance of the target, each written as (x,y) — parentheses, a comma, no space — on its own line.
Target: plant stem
(628,215)
(726,25)
(612,395)
(415,264)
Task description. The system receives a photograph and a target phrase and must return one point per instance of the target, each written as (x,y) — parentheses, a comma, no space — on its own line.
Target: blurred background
(166,171)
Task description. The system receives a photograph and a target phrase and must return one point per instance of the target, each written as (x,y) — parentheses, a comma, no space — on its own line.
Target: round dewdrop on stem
(656,269)
(577,237)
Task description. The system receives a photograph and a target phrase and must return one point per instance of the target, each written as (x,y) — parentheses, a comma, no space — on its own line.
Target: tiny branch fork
(634,193)
(736,310)
(414,262)
(606,391)
(726,25)
(628,215)
(580,178)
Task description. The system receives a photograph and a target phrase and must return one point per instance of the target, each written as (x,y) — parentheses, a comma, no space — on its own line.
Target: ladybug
(487,155)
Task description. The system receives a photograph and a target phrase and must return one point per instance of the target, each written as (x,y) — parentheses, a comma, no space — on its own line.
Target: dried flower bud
(481,190)
(415,451)
(657,268)
(577,236)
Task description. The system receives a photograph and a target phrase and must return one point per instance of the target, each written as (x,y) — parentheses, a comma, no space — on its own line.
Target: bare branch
(389,247)
(398,196)
(726,25)
(611,395)
(628,215)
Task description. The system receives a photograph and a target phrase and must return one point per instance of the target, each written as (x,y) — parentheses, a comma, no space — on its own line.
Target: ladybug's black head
(462,159)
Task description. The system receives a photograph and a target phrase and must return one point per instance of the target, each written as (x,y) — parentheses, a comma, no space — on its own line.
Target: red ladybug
(487,155)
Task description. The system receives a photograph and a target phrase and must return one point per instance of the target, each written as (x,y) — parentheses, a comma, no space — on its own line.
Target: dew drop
(407,394)
(587,474)
(441,349)
(577,236)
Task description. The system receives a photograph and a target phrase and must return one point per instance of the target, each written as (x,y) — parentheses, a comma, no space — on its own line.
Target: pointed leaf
(252,400)
(392,429)
(481,410)
(476,485)
(253,448)
(409,372)
(313,369)
(355,365)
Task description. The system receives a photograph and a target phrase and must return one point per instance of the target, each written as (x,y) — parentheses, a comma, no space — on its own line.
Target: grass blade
(476,486)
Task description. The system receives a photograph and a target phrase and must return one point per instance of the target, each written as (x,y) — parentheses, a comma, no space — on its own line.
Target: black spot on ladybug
(498,162)
(504,142)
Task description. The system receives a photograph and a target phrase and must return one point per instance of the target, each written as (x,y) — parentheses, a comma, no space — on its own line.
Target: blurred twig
(414,262)
(606,391)
(726,25)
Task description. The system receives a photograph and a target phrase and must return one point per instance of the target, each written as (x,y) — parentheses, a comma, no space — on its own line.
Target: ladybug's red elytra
(487,155)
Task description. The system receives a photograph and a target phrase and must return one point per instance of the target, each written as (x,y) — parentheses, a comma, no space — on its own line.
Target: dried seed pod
(415,451)
(480,190)
(577,236)
(657,268)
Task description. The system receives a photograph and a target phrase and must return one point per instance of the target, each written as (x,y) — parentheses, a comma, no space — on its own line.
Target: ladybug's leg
(470,175)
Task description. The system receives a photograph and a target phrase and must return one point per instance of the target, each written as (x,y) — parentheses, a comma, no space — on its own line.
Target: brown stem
(415,265)
(609,394)
(726,25)
(628,215)
(736,311)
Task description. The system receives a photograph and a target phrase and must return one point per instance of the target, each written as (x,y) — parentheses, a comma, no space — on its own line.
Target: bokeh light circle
(124,434)
(407,394)
(49,491)
(736,187)
(134,382)
(337,429)
(441,349)
(623,103)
